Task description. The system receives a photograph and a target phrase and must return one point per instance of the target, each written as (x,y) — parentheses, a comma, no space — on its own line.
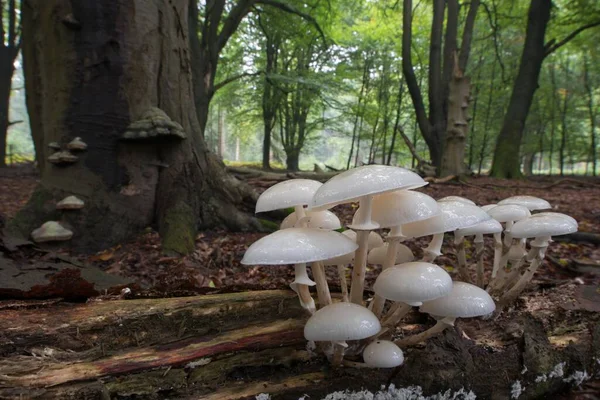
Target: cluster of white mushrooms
(387,201)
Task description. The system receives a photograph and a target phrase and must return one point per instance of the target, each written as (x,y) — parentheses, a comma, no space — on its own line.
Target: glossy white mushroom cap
(459,199)
(314,219)
(459,215)
(555,214)
(488,207)
(413,283)
(51,231)
(366,180)
(402,207)
(341,321)
(383,354)
(340,260)
(532,203)
(70,203)
(509,212)
(378,254)
(543,226)
(426,227)
(375,240)
(483,228)
(463,301)
(298,245)
(291,193)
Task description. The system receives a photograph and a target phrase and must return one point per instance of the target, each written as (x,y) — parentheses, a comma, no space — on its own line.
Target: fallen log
(245,173)
(233,346)
(588,237)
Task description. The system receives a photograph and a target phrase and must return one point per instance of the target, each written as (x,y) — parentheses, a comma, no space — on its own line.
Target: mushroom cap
(315,219)
(373,241)
(62,157)
(488,207)
(561,215)
(532,203)
(77,144)
(383,354)
(459,215)
(340,260)
(426,227)
(413,283)
(483,228)
(402,207)
(298,245)
(463,301)
(362,181)
(458,198)
(70,203)
(403,254)
(290,193)
(544,225)
(341,321)
(54,145)
(509,212)
(51,231)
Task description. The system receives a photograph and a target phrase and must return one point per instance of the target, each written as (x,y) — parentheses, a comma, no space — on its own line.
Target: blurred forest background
(329,89)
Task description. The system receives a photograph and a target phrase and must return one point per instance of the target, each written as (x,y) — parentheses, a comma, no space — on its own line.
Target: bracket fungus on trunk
(51,231)
(77,145)
(70,203)
(63,157)
(154,123)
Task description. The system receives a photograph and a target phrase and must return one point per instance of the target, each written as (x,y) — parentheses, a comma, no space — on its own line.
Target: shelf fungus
(77,145)
(153,124)
(54,146)
(62,157)
(70,203)
(51,231)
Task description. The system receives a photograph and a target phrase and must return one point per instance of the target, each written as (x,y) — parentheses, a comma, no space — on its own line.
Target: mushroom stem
(300,212)
(439,326)
(510,278)
(463,272)
(433,250)
(341,268)
(479,250)
(394,317)
(390,258)
(497,253)
(360,268)
(318,270)
(338,353)
(540,246)
(497,281)
(302,289)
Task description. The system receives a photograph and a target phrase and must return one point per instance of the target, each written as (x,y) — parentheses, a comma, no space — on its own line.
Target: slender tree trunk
(360,108)
(220,132)
(8,54)
(396,122)
(552,118)
(592,114)
(101,83)
(563,121)
(506,162)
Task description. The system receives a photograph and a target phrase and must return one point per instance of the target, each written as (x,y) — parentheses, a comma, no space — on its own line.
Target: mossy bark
(93,68)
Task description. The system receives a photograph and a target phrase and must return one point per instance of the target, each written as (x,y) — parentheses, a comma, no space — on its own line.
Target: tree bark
(238,345)
(114,65)
(563,121)
(592,114)
(506,162)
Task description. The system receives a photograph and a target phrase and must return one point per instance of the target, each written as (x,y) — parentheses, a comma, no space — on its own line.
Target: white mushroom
(300,246)
(532,203)
(464,301)
(70,203)
(51,231)
(62,157)
(383,354)
(541,228)
(314,219)
(457,198)
(361,184)
(484,228)
(77,145)
(379,255)
(339,322)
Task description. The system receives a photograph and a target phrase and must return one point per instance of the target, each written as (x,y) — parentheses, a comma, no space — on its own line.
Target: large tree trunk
(507,154)
(238,345)
(105,66)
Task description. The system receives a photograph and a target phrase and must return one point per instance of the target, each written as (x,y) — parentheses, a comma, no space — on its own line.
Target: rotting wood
(239,345)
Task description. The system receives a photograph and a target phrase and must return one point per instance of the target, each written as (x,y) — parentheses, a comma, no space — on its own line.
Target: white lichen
(558,371)
(263,396)
(577,378)
(198,363)
(541,378)
(393,393)
(516,390)
(524,370)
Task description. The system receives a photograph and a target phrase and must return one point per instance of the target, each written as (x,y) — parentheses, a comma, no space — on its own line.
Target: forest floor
(564,288)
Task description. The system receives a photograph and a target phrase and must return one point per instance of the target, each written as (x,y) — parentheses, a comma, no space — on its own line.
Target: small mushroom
(339,322)
(62,157)
(51,231)
(70,203)
(314,219)
(54,146)
(77,145)
(464,301)
(485,228)
(458,198)
(383,354)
